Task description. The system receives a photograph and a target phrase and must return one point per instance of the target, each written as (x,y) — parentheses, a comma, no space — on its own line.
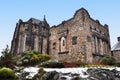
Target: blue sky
(56,11)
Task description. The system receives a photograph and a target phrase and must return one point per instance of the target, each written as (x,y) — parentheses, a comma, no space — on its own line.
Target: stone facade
(30,35)
(79,38)
(116,50)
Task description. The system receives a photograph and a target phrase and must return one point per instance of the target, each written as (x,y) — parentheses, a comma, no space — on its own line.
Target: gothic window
(74,40)
(63,44)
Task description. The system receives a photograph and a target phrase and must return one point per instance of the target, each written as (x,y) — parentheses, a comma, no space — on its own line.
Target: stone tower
(31,35)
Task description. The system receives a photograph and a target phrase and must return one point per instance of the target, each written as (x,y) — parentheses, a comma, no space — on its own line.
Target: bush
(34,59)
(44,57)
(40,73)
(107,61)
(81,64)
(52,64)
(6,60)
(30,58)
(118,64)
(7,73)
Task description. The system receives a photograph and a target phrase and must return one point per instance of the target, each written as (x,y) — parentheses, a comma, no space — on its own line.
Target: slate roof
(116,46)
(35,21)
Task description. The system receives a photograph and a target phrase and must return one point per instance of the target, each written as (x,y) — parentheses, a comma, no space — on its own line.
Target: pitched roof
(35,21)
(116,47)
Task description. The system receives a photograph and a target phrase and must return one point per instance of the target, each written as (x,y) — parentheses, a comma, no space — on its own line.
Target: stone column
(19,45)
(24,42)
(104,48)
(96,42)
(101,46)
(36,43)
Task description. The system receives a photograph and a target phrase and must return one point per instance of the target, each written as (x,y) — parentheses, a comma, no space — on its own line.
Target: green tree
(6,58)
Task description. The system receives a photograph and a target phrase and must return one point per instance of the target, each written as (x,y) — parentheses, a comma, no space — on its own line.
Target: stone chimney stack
(118,39)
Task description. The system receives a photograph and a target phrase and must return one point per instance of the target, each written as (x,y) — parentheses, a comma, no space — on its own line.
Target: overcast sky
(56,11)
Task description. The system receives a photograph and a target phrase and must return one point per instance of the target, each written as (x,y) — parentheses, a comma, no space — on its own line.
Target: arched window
(63,44)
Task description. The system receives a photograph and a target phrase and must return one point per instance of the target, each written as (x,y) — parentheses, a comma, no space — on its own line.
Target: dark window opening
(54,45)
(74,40)
(63,42)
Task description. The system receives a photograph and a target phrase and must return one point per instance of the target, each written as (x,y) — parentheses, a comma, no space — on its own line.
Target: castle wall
(116,55)
(79,38)
(91,39)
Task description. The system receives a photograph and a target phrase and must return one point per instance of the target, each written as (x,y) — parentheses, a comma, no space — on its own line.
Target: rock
(77,78)
(101,74)
(75,74)
(63,78)
(53,75)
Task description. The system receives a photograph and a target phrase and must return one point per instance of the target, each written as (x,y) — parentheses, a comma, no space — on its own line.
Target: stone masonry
(30,35)
(79,38)
(115,51)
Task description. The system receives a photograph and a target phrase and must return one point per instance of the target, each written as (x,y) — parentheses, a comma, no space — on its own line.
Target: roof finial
(44,18)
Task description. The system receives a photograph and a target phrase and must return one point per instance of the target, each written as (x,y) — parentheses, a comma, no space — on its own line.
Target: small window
(54,45)
(74,40)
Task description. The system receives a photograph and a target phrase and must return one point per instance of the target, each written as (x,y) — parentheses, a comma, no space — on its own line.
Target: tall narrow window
(63,42)
(74,40)
(23,40)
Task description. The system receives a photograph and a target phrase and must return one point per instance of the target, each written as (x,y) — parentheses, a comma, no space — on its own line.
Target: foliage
(81,64)
(52,64)
(7,73)
(32,57)
(40,73)
(44,57)
(30,53)
(107,61)
(6,59)
(118,64)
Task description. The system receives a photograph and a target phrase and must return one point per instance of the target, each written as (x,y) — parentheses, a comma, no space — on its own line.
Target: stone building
(79,38)
(30,35)
(116,50)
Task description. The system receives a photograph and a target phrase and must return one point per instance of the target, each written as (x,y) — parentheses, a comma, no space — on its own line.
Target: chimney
(118,39)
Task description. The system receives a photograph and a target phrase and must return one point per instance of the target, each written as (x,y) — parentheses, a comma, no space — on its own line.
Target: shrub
(118,64)
(7,73)
(40,73)
(81,64)
(6,59)
(52,64)
(32,57)
(44,57)
(30,53)
(107,61)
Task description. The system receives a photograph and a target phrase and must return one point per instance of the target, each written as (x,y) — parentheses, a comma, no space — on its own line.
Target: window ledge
(98,54)
(65,52)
